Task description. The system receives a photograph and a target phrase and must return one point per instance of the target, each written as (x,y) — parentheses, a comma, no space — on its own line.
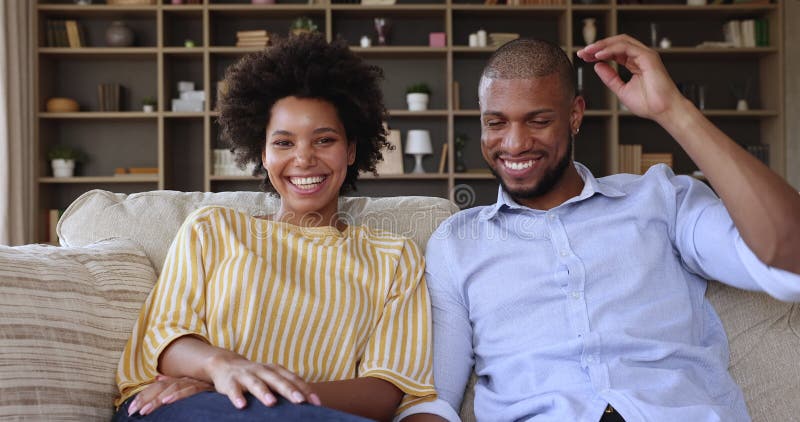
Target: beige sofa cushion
(152,218)
(65,315)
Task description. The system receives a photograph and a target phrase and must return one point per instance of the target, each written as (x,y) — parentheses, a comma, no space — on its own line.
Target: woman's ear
(351,153)
(264,158)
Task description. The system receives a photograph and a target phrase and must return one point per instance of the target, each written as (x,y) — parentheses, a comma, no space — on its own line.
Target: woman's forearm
(188,356)
(369,397)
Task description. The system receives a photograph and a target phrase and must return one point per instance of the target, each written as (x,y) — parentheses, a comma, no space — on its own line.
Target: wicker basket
(130,2)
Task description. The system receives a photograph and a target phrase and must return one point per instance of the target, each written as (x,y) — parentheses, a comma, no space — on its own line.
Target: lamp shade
(418,141)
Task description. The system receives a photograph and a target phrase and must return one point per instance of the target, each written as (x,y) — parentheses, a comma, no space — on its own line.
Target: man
(582,299)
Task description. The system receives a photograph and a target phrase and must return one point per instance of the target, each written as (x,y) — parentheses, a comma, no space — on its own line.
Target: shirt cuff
(437,407)
(780,284)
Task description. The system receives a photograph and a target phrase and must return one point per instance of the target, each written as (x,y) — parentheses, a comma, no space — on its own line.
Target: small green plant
(460,141)
(418,88)
(303,24)
(65,153)
(151,101)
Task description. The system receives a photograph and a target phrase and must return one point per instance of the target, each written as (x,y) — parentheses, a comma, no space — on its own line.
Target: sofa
(66,312)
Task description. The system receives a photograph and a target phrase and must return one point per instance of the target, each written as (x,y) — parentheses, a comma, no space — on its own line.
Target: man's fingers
(609,77)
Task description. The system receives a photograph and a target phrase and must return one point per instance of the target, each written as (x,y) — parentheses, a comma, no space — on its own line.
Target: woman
(292,315)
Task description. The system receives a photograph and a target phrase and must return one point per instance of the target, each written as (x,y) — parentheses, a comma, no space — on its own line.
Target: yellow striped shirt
(325,304)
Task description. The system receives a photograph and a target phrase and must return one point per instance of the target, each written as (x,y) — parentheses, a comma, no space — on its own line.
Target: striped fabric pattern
(65,314)
(325,304)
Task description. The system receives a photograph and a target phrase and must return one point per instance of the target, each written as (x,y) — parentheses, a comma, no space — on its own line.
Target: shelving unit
(180,144)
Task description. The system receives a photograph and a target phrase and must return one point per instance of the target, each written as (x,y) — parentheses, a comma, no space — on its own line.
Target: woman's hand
(166,390)
(233,375)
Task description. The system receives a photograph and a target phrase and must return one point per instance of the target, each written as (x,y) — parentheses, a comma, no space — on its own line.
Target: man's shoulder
(658,176)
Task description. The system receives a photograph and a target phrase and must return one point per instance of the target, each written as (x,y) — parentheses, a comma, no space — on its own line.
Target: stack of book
(650,159)
(747,32)
(496,39)
(528,2)
(630,159)
(108,96)
(256,38)
(65,33)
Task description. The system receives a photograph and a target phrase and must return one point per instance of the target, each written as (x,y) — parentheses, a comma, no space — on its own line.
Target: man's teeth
(518,166)
(306,182)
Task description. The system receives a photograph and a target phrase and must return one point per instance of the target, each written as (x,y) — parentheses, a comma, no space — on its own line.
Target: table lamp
(418,143)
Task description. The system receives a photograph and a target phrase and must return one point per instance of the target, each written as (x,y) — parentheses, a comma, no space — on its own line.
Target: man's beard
(550,178)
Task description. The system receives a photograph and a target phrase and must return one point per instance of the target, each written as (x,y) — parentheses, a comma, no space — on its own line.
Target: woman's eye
(281,143)
(325,140)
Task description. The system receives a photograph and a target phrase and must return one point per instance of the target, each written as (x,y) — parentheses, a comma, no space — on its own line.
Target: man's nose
(517,139)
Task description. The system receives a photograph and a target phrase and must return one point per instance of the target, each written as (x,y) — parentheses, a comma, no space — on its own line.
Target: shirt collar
(590,186)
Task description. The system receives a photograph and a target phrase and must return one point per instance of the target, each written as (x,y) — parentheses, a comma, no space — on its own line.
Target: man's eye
(540,122)
(494,123)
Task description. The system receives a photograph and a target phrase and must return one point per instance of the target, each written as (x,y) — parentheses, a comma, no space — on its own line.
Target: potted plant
(417,96)
(149,104)
(63,159)
(302,25)
(458,143)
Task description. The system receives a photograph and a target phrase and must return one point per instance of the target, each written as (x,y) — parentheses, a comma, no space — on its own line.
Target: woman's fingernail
(269,399)
(239,403)
(133,407)
(168,399)
(314,399)
(297,397)
(146,409)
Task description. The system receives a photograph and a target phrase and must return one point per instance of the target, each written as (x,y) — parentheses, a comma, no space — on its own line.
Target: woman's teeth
(306,182)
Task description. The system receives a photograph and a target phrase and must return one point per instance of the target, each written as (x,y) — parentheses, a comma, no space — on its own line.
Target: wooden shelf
(180,144)
(100,179)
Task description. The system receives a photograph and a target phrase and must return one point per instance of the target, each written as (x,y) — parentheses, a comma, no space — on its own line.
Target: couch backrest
(153,218)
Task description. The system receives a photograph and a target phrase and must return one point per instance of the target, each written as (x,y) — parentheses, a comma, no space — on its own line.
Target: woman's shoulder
(386,240)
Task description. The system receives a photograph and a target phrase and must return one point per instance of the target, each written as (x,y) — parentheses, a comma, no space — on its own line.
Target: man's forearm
(369,397)
(764,207)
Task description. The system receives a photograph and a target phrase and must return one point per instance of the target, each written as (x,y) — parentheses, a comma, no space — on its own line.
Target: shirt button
(576,295)
(564,253)
(590,359)
(552,216)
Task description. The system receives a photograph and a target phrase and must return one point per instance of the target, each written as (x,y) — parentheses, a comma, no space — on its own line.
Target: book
(53,215)
(253,33)
(456,96)
(443,159)
(73,34)
(651,159)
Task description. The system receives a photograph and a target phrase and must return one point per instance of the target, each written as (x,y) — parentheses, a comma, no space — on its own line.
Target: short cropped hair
(304,66)
(526,58)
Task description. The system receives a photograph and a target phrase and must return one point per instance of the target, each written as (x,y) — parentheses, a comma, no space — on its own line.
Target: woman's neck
(321,218)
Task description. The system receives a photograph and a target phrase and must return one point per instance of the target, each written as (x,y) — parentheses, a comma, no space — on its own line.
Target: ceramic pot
(62,167)
(119,35)
(589,30)
(417,101)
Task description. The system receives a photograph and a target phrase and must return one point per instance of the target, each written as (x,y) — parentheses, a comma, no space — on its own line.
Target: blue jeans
(212,407)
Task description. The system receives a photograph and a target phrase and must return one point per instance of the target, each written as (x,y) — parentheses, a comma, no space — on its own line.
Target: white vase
(589,30)
(148,108)
(417,101)
(741,105)
(63,168)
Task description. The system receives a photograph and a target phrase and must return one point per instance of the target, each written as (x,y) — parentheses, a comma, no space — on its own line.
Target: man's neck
(569,186)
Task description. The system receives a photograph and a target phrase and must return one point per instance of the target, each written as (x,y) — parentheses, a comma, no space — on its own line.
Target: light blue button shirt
(599,300)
